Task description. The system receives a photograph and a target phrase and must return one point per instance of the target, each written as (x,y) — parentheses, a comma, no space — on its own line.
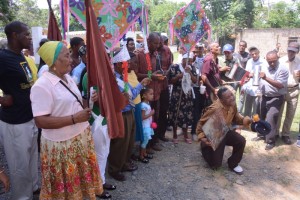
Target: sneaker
(238,170)
(269,146)
(298,143)
(195,137)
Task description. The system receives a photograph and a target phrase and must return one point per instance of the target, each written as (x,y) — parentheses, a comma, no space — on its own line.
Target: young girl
(147,113)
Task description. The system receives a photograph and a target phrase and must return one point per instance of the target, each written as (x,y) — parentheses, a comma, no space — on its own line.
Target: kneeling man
(213,155)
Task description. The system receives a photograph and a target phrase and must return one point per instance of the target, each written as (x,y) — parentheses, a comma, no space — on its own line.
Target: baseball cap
(293,46)
(227,47)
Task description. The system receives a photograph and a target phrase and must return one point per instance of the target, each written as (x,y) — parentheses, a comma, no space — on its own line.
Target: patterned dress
(181,105)
(70,169)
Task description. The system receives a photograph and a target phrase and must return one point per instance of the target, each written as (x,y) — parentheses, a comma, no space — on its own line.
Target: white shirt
(291,66)
(280,74)
(49,97)
(249,88)
(42,70)
(147,108)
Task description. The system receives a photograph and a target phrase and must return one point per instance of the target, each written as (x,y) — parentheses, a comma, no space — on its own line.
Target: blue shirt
(135,92)
(76,73)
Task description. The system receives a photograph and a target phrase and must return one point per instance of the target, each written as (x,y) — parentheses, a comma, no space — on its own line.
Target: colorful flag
(53,30)
(114,17)
(190,25)
(64,13)
(111,100)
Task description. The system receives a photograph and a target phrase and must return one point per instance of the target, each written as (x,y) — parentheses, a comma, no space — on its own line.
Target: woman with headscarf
(43,67)
(68,160)
(181,105)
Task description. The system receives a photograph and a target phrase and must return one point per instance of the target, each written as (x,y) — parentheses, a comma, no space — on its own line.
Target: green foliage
(7,12)
(228,16)
(74,25)
(279,15)
(29,13)
(160,12)
(22,10)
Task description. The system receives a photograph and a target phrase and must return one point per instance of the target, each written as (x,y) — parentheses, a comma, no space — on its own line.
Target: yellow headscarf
(49,51)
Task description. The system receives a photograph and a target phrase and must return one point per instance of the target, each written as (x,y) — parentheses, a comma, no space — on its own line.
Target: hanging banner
(189,25)
(114,17)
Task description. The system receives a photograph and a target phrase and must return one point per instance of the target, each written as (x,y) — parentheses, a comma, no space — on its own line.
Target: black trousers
(199,104)
(214,158)
(161,107)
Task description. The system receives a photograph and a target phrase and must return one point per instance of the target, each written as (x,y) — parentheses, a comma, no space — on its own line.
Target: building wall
(266,39)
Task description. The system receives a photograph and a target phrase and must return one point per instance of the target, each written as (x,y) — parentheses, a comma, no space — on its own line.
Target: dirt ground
(180,173)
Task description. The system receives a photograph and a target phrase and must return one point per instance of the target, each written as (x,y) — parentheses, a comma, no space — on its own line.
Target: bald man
(273,87)
(157,83)
(210,73)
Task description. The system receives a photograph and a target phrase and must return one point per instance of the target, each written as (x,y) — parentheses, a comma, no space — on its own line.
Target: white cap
(122,56)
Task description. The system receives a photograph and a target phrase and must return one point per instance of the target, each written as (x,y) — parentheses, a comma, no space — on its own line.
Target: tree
(228,16)
(7,11)
(29,13)
(160,13)
(7,14)
(279,15)
(74,24)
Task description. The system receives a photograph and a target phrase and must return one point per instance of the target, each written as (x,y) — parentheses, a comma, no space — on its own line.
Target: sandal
(175,141)
(148,156)
(108,186)
(104,195)
(188,140)
(144,160)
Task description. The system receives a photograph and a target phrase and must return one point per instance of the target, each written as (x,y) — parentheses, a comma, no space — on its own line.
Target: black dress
(181,104)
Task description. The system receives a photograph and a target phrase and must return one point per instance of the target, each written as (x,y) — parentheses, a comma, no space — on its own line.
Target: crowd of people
(47,109)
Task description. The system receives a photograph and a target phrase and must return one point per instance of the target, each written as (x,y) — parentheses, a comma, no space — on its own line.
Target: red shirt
(211,70)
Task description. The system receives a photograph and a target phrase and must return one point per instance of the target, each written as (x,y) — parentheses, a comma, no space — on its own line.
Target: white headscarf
(186,82)
(122,56)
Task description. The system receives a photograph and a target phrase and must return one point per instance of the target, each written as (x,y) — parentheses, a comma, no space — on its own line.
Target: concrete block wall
(266,39)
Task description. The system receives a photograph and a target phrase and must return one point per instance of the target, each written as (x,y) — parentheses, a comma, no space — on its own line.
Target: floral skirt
(181,108)
(70,169)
